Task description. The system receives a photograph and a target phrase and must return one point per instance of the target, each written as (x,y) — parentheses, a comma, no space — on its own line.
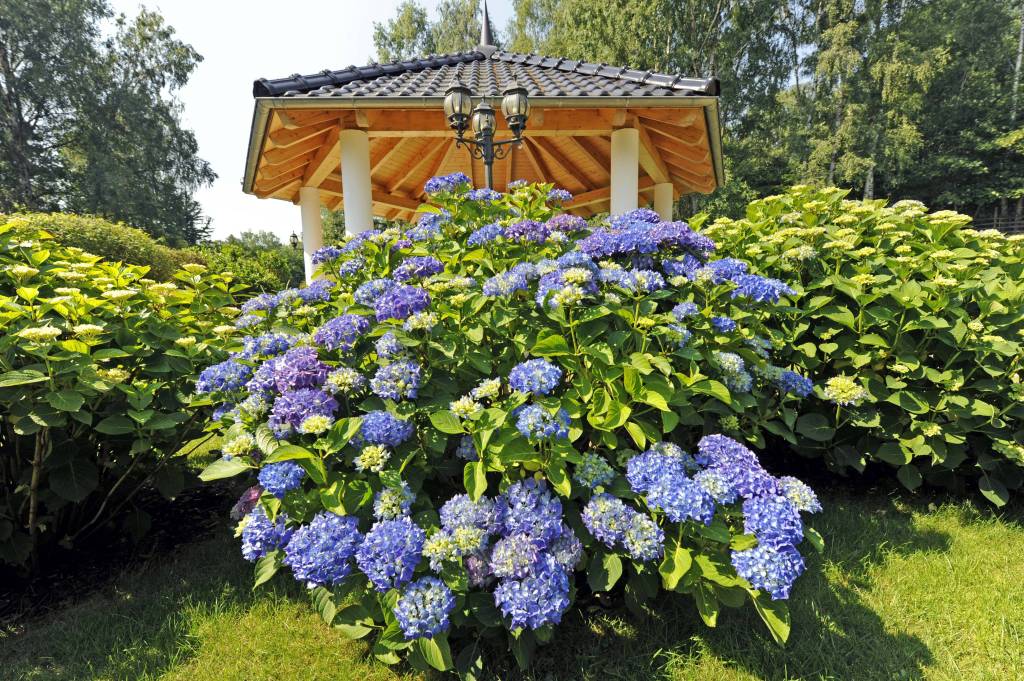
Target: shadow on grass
(835,634)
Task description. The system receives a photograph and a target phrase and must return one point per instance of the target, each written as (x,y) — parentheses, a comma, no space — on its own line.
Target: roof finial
(485,30)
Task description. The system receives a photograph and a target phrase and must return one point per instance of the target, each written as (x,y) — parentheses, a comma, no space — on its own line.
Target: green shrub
(111,240)
(492,380)
(95,362)
(918,318)
(257,261)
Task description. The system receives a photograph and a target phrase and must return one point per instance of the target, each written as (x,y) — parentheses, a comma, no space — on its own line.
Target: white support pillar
(356,190)
(312,227)
(625,170)
(663,202)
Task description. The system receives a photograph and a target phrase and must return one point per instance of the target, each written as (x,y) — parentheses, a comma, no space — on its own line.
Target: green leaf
(742,542)
(436,652)
(815,427)
(637,433)
(675,565)
(993,490)
(266,567)
(815,539)
(550,344)
(558,477)
(447,422)
(775,614)
(323,601)
(21,377)
(523,644)
(354,621)
(115,425)
(66,400)
(309,461)
(605,570)
(223,468)
(75,480)
(474,477)
(909,476)
(707,604)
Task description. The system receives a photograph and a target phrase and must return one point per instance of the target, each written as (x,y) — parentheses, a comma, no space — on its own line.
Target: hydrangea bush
(96,362)
(466,425)
(914,325)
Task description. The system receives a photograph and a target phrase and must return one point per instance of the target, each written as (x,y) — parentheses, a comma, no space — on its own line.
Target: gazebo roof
(294,140)
(485,71)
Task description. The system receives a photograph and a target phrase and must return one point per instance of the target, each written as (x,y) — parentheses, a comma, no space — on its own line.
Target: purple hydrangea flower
(368,293)
(761,289)
(557,195)
(483,195)
(527,230)
(326,254)
(566,222)
(461,511)
(293,407)
(515,556)
(447,183)
(528,507)
(318,291)
(505,284)
(773,519)
(299,368)
(607,518)
(417,267)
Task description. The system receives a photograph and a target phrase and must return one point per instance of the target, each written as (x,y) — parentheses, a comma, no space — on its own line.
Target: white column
(663,200)
(312,227)
(356,191)
(625,169)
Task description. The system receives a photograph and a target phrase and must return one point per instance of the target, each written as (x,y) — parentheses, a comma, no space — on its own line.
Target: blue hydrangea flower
(725,269)
(417,267)
(428,226)
(566,222)
(282,477)
(326,254)
(557,195)
(294,407)
(684,310)
(760,289)
(390,552)
(715,483)
(388,346)
(424,607)
(799,494)
(536,376)
(485,234)
(466,449)
(265,346)
(262,383)
(248,321)
(792,382)
(397,381)
(514,556)
(770,568)
(299,368)
(680,334)
(264,302)
(535,423)
(505,284)
(723,324)
(483,195)
(341,333)
(447,183)
(643,539)
(224,377)
(607,517)
(320,553)
(381,428)
(631,236)
(527,230)
(593,471)
(401,302)
(461,511)
(260,535)
(687,267)
(368,293)
(647,281)
(773,519)
(643,471)
(529,507)
(393,502)
(537,600)
(318,291)
(682,499)
(566,549)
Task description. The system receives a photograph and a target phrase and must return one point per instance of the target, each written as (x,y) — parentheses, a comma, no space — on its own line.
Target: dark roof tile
(485,74)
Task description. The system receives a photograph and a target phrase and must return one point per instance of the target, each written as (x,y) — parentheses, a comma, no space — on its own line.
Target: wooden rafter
(693,154)
(267,187)
(292,120)
(400,144)
(426,160)
(679,117)
(585,147)
(287,138)
(270,172)
(285,154)
(535,161)
(690,135)
(650,159)
(548,147)
(326,161)
(603,194)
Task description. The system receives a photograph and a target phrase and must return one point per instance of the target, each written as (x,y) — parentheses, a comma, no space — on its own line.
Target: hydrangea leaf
(815,427)
(604,571)
(447,422)
(775,615)
(474,478)
(436,652)
(266,567)
(223,468)
(676,563)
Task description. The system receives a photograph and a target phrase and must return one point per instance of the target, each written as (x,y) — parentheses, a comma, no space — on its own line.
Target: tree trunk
(20,133)
(1016,69)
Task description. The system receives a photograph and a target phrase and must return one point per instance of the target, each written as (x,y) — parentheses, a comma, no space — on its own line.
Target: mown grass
(903,591)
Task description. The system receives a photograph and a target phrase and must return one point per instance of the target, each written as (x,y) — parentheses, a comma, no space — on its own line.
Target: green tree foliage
(412,34)
(258,261)
(93,125)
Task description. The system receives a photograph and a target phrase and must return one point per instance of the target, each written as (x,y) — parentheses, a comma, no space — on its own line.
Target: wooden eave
(294,142)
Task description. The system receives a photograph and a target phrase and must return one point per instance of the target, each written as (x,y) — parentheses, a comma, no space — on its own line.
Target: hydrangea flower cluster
(397,381)
(320,553)
(341,333)
(447,183)
(280,478)
(261,535)
(536,423)
(417,268)
(536,376)
(424,608)
(389,553)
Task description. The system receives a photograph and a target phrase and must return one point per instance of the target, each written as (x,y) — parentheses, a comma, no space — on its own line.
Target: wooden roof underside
(568,147)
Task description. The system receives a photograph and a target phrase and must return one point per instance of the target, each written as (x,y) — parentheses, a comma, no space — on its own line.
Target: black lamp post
(460,114)
(294,241)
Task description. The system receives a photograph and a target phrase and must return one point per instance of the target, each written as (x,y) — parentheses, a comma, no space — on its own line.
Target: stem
(42,445)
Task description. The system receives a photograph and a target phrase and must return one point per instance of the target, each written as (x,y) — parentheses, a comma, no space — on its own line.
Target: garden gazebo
(367,138)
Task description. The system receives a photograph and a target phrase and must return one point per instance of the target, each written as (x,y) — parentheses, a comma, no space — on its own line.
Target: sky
(242,40)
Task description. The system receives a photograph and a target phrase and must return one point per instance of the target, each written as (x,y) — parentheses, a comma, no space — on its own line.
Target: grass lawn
(903,591)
